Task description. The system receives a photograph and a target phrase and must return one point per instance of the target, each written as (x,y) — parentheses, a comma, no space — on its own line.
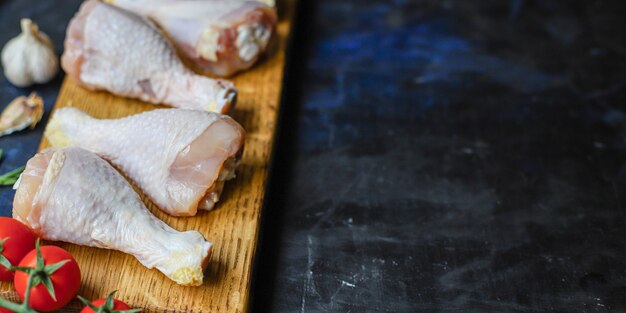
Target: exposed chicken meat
(110,49)
(217,37)
(179,158)
(97,207)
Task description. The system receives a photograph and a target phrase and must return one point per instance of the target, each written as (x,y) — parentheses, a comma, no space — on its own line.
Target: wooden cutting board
(233,226)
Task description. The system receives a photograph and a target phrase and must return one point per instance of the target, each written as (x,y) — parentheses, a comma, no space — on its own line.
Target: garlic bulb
(29,58)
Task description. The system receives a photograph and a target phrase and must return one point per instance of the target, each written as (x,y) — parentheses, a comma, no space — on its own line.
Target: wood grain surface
(233,226)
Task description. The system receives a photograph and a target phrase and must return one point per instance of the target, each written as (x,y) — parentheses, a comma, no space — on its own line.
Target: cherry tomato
(20,241)
(3,310)
(117,305)
(65,280)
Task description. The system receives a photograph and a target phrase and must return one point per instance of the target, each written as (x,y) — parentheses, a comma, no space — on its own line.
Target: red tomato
(20,241)
(117,305)
(66,280)
(3,310)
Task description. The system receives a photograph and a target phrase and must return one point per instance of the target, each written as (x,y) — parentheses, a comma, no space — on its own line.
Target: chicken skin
(107,48)
(216,37)
(73,195)
(179,158)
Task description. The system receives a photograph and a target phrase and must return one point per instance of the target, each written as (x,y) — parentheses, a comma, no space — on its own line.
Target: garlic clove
(22,112)
(29,58)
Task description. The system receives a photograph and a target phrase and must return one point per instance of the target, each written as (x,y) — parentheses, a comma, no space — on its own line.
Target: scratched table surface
(433,156)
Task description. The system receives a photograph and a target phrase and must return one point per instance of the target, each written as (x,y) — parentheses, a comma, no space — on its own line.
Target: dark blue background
(435,156)
(52,17)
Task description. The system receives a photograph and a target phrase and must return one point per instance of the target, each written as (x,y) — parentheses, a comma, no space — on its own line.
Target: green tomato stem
(3,260)
(20,308)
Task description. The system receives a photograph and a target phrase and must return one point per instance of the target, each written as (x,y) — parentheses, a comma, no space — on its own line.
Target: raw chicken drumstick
(179,158)
(217,37)
(73,195)
(111,49)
